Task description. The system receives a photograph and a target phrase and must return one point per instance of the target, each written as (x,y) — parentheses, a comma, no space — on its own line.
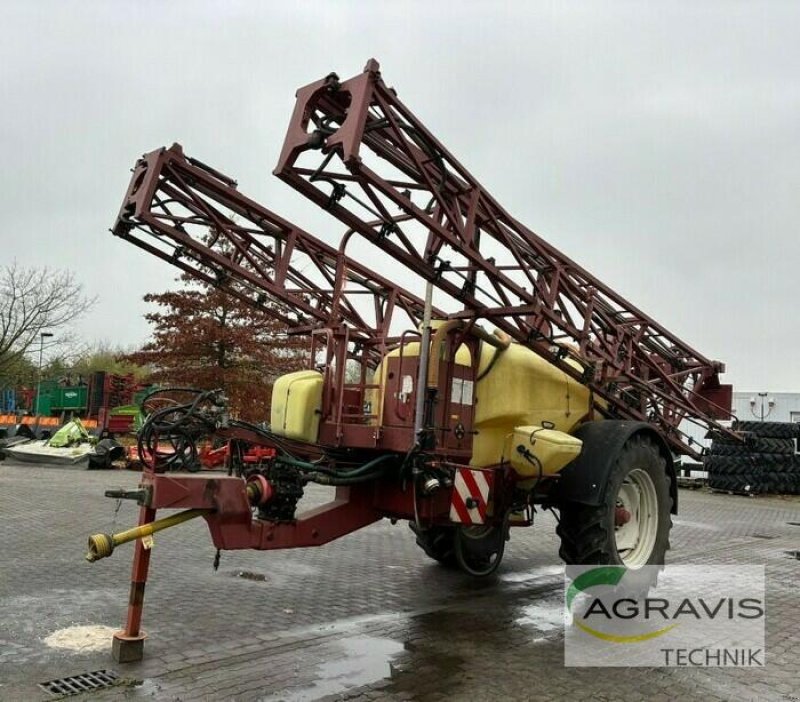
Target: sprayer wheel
(437,542)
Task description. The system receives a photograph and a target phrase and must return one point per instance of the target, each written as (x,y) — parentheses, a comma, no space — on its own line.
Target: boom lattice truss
(355,149)
(194,217)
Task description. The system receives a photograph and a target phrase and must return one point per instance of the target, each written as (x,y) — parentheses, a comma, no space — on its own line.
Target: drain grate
(84,682)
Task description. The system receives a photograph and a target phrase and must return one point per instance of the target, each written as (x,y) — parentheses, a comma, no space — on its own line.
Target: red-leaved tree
(206,339)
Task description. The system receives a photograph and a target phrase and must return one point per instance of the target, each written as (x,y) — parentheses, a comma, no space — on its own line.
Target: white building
(767,406)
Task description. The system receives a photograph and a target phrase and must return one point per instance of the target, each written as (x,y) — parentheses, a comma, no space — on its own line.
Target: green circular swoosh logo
(606,575)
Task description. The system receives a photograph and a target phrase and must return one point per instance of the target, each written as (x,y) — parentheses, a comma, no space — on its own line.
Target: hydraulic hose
(353,473)
(362,474)
(325,479)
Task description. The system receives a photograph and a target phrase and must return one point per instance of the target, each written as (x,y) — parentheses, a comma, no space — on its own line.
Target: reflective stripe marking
(468,484)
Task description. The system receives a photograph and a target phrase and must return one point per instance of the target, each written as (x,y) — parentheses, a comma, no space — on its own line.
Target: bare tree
(33,300)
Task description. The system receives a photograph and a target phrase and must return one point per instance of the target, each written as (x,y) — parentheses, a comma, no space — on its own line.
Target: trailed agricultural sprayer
(569,398)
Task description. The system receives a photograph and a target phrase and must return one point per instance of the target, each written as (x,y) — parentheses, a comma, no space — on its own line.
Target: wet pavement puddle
(141,688)
(546,573)
(546,618)
(365,660)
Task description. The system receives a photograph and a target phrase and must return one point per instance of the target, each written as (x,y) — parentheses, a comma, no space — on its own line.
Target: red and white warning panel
(471,490)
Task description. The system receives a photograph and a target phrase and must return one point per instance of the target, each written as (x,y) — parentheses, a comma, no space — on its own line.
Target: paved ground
(367,617)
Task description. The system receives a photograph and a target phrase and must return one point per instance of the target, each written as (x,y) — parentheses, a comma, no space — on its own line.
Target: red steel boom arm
(406,193)
(192,216)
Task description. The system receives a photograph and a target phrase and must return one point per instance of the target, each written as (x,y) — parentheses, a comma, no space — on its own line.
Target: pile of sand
(82,639)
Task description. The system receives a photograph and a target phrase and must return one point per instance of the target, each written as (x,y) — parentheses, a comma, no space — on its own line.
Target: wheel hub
(636,518)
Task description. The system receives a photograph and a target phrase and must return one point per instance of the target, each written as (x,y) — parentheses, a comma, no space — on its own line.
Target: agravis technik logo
(676,615)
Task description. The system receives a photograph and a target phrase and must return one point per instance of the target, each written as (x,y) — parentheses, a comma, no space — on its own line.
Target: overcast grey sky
(658,144)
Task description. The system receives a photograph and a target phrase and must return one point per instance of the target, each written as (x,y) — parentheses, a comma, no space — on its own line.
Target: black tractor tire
(776,430)
(756,444)
(718,449)
(793,484)
(717,482)
(757,483)
(729,465)
(438,542)
(752,463)
(479,549)
(588,533)
(745,483)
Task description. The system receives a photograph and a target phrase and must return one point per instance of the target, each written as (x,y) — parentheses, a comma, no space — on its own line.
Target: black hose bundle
(180,426)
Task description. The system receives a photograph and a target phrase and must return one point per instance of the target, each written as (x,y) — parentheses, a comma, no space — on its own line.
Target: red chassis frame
(231,522)
(232,526)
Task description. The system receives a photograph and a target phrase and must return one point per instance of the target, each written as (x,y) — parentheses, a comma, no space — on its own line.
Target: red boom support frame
(193,217)
(409,196)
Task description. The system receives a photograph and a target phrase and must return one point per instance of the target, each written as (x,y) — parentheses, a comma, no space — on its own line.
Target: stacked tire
(766,462)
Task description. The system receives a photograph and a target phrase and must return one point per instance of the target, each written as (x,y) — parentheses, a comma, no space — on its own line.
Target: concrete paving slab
(367,617)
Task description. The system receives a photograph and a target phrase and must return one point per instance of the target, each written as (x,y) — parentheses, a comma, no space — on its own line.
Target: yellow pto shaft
(102,545)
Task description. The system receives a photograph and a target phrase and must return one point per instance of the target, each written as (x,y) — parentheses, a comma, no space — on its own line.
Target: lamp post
(42,337)
(764,403)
